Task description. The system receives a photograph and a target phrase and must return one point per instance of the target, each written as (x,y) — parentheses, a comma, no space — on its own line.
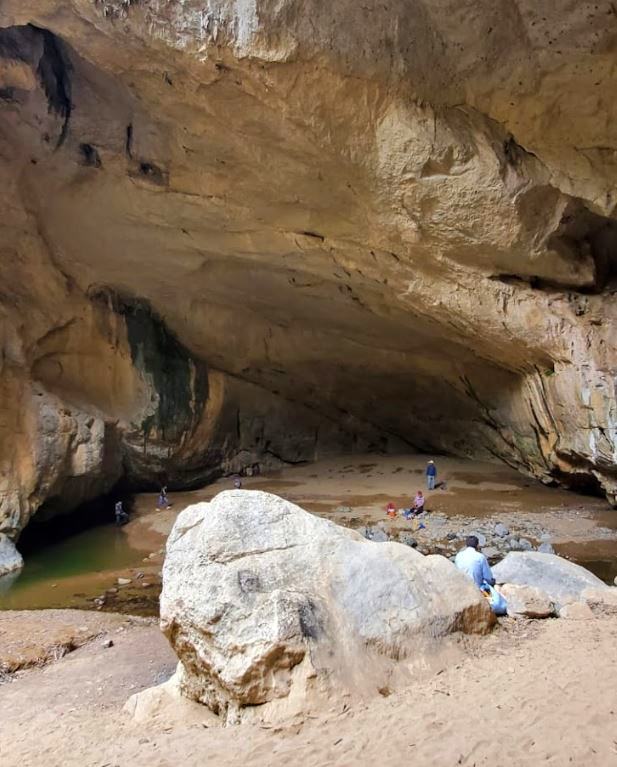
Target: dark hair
(472,541)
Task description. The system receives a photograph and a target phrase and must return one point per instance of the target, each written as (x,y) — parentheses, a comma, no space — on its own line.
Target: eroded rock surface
(348,225)
(265,603)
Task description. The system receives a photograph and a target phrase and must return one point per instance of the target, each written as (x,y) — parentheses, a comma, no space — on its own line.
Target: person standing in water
(431,475)
(121,516)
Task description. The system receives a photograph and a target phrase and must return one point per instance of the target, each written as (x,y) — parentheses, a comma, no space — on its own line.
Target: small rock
(501,530)
(525,544)
(113,590)
(123,581)
(514,544)
(139,575)
(453,537)
(527,601)
(490,552)
(145,584)
(378,535)
(546,548)
(107,643)
(615,581)
(576,611)
(546,537)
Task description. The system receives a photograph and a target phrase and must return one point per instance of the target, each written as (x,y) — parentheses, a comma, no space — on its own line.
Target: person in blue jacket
(431,474)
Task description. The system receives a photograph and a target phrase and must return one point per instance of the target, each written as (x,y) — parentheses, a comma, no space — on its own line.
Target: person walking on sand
(431,475)
(473,563)
(163,502)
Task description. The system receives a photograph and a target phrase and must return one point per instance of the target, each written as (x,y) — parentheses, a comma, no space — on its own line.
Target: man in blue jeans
(431,474)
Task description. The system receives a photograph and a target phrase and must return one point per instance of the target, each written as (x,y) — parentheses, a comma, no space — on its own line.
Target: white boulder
(561,580)
(265,602)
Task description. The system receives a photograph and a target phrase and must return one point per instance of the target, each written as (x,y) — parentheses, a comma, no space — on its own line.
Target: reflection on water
(64,573)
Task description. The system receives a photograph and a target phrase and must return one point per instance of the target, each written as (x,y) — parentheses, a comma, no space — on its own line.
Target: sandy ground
(354,490)
(541,692)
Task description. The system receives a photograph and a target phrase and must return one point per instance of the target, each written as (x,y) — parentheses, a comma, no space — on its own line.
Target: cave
(268,254)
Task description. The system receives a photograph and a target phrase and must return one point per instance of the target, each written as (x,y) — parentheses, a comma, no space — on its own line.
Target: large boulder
(10,559)
(561,580)
(265,602)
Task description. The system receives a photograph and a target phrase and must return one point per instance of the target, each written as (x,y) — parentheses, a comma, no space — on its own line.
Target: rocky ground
(540,692)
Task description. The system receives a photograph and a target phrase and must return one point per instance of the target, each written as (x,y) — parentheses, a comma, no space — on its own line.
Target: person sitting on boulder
(473,563)
(418,503)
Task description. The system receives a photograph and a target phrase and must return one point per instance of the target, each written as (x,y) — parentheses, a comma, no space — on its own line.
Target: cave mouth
(51,525)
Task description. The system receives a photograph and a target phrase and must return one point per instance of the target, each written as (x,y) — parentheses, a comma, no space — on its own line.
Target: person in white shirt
(473,563)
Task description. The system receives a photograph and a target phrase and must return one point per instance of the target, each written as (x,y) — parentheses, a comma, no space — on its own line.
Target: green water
(66,573)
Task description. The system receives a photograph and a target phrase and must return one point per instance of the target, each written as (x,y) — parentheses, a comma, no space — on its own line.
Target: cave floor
(352,491)
(532,692)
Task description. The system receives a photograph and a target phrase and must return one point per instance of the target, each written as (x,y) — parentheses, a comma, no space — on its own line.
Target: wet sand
(353,491)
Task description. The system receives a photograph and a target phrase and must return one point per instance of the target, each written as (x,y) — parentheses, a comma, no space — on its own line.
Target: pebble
(525,544)
(123,581)
(546,548)
(107,643)
(490,552)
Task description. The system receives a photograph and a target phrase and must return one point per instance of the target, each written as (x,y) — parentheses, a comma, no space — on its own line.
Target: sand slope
(531,694)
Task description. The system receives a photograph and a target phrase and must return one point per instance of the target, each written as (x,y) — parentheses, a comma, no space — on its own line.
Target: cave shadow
(51,525)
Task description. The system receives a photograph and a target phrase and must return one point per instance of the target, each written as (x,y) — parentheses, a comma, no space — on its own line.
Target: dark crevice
(316,235)
(90,156)
(128,141)
(582,235)
(152,173)
(53,72)
(49,59)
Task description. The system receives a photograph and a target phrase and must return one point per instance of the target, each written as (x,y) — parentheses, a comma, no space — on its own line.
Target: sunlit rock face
(259,231)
